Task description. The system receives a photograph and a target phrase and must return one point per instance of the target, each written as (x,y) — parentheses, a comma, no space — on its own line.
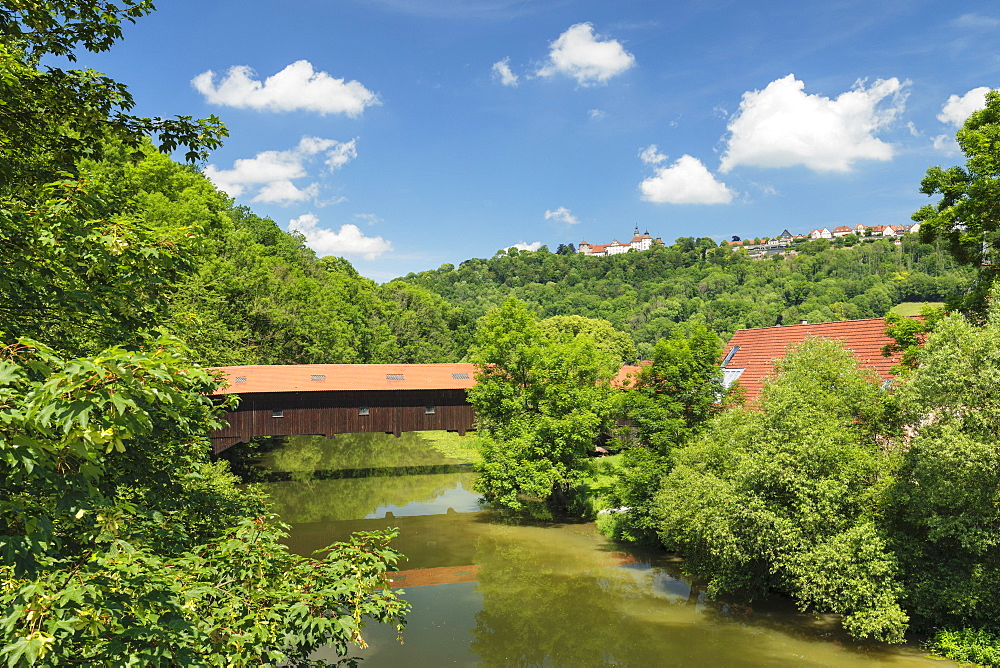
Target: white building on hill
(640,242)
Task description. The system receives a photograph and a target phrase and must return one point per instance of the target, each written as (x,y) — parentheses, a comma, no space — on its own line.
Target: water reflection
(346,499)
(488,592)
(308,454)
(564,596)
(455,499)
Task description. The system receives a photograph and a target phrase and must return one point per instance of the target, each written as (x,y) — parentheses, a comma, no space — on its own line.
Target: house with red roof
(639,242)
(841,231)
(751,353)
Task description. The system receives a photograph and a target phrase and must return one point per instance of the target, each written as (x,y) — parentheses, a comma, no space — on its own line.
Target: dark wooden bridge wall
(336,412)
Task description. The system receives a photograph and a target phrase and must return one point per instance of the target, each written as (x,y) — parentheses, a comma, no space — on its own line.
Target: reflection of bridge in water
(329,399)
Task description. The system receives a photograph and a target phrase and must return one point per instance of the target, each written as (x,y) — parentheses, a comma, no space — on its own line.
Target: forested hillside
(234,286)
(648,293)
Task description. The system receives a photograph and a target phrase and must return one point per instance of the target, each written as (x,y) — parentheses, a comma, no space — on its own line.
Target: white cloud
(533,246)
(368,218)
(946,144)
(341,154)
(269,175)
(782,126)
(597,114)
(297,87)
(958,108)
(502,71)
(348,240)
(581,54)
(285,192)
(687,181)
(651,155)
(563,215)
(976,21)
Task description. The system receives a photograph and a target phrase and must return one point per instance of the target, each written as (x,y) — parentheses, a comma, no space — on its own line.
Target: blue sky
(404,134)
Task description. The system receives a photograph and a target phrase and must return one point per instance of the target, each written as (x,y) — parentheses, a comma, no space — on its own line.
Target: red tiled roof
(299,377)
(627,375)
(758,348)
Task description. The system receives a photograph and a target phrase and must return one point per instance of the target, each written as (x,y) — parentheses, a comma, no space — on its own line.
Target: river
(488,592)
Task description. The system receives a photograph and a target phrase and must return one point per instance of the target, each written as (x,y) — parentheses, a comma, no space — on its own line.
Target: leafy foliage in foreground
(968,645)
(121,543)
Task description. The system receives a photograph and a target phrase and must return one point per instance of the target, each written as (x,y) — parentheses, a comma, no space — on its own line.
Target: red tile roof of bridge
(760,347)
(299,377)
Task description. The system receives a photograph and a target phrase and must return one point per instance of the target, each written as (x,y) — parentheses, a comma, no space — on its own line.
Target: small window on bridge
(319,378)
(460,376)
(430,410)
(277,413)
(364,410)
(394,376)
(241,379)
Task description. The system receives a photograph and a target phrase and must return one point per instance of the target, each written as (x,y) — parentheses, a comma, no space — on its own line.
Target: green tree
(68,259)
(908,336)
(541,406)
(618,345)
(426,327)
(786,497)
(966,217)
(671,400)
(678,390)
(943,507)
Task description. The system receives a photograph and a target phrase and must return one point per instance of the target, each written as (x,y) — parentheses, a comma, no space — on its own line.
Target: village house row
(643,242)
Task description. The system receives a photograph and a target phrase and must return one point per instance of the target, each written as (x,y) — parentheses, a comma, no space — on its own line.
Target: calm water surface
(489,593)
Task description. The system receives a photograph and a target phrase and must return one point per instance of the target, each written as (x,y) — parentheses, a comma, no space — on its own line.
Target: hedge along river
(489,591)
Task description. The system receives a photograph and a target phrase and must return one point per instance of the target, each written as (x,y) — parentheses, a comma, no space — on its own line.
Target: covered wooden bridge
(328,399)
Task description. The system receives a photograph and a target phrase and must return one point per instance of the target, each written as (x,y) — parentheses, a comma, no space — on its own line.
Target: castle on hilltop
(640,242)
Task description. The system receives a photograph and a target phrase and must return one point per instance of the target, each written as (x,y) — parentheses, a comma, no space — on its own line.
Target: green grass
(912,308)
(592,490)
(464,449)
